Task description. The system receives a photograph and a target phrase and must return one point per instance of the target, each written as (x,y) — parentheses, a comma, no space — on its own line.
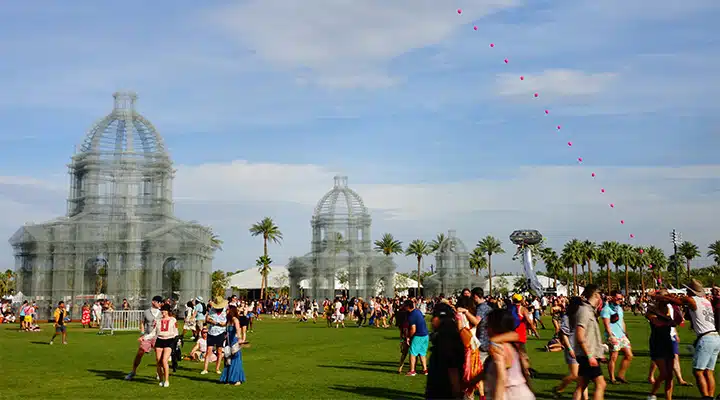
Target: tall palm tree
(440,244)
(689,251)
(623,258)
(215,242)
(641,262)
(552,265)
(478,261)
(589,250)
(269,232)
(573,255)
(264,263)
(714,251)
(608,252)
(656,258)
(419,249)
(388,245)
(490,245)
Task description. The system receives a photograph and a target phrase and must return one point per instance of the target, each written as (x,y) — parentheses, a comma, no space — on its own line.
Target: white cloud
(346,44)
(554,83)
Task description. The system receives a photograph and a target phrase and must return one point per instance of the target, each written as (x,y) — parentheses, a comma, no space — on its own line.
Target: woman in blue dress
(233,373)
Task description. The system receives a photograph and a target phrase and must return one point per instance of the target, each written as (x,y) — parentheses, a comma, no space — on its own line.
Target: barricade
(124,320)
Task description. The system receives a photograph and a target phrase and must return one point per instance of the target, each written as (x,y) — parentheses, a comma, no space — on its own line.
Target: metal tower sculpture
(119,236)
(524,240)
(452,268)
(341,249)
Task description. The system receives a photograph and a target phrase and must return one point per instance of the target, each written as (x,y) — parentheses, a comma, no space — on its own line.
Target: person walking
(417,338)
(233,373)
(147,325)
(217,320)
(588,343)
(59,322)
(613,319)
(164,336)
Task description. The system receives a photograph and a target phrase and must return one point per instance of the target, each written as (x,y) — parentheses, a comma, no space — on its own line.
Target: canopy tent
(251,279)
(508,282)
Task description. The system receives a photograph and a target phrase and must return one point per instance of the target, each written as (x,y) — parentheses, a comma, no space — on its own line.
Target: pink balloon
(506,61)
(459,11)
(593,174)
(570,144)
(579,159)
(558,127)
(650,266)
(522,78)
(632,236)
(642,251)
(622,221)
(603,191)
(492,44)
(612,205)
(536,95)
(475,27)
(547,112)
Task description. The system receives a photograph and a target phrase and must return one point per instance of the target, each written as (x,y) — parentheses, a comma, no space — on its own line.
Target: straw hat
(219,302)
(696,288)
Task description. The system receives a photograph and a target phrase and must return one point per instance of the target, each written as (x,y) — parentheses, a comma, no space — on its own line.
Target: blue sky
(402,96)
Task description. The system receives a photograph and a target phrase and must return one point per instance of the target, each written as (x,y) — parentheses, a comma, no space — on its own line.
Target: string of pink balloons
(558,127)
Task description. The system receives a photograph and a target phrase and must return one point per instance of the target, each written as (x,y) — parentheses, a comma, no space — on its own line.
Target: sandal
(621,380)
(688,384)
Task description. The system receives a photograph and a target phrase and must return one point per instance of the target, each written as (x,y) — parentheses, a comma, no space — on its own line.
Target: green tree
(607,252)
(689,251)
(502,286)
(264,263)
(589,250)
(269,232)
(219,282)
(552,263)
(657,262)
(418,248)
(573,255)
(7,282)
(440,244)
(714,251)
(388,245)
(489,246)
(478,261)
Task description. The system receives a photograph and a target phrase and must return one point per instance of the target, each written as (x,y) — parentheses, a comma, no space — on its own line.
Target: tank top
(516,387)
(703,317)
(521,329)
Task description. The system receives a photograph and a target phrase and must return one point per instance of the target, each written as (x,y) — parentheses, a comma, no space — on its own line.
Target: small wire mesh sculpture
(341,250)
(453,272)
(120,236)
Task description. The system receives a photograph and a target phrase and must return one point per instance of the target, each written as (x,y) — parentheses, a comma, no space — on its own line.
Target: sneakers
(411,373)
(51,343)
(652,397)
(130,376)
(165,384)
(203,372)
(157,377)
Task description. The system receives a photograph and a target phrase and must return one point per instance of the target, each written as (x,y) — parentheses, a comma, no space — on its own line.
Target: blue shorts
(419,345)
(676,347)
(706,352)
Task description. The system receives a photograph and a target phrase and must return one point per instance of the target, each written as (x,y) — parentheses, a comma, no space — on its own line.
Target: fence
(126,320)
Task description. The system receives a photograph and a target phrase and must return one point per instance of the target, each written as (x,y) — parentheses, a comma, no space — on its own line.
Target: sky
(261,103)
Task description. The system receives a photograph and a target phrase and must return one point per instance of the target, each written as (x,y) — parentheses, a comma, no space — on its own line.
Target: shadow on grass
(356,368)
(118,375)
(378,392)
(45,343)
(382,363)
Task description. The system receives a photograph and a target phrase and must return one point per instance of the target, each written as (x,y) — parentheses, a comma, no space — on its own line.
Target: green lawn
(287,361)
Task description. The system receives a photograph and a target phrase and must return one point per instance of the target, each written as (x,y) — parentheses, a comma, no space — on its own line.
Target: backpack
(203,308)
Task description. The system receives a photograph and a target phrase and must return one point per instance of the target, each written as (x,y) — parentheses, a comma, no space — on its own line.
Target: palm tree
(608,251)
(388,245)
(689,251)
(573,255)
(714,251)
(215,241)
(623,258)
(219,281)
(589,250)
(264,263)
(440,244)
(269,231)
(657,259)
(552,265)
(478,261)
(640,262)
(490,245)
(418,248)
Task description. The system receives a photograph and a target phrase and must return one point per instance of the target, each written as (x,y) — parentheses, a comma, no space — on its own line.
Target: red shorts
(147,345)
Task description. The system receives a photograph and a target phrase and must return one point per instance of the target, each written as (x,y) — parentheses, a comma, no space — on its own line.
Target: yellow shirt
(59,316)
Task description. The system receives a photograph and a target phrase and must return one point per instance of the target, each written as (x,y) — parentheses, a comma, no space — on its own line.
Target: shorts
(419,345)
(675,347)
(536,315)
(147,345)
(706,352)
(27,318)
(622,343)
(569,360)
(60,329)
(585,370)
(216,341)
(164,343)
(244,320)
(199,323)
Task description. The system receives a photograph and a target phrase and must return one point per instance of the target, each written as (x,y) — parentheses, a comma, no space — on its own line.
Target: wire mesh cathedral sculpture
(341,250)
(119,236)
(452,271)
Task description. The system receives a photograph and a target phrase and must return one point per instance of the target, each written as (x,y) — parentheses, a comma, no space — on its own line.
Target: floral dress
(85,320)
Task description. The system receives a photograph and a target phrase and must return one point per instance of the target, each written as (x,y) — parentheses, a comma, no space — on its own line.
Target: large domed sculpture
(452,270)
(119,237)
(341,250)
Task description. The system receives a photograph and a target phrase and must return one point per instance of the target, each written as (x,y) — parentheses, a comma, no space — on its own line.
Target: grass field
(287,360)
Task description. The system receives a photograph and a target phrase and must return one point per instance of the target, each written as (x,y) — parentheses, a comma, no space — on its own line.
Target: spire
(124,101)
(341,181)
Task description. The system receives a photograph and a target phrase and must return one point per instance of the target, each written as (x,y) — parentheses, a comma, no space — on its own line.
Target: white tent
(509,281)
(278,277)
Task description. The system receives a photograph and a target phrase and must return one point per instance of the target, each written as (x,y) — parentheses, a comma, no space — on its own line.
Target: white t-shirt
(703,318)
(337,306)
(673,331)
(536,304)
(202,343)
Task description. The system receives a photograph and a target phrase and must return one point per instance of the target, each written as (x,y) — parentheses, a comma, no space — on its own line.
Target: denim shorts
(706,352)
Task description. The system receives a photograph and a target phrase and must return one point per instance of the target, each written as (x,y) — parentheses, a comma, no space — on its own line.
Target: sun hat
(696,287)
(200,299)
(219,302)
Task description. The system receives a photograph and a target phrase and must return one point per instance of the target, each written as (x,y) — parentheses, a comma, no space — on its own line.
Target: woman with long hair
(661,346)
(567,337)
(472,365)
(165,333)
(445,366)
(233,373)
(506,377)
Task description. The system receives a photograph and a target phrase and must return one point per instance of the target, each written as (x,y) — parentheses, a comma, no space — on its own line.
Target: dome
(124,132)
(341,201)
